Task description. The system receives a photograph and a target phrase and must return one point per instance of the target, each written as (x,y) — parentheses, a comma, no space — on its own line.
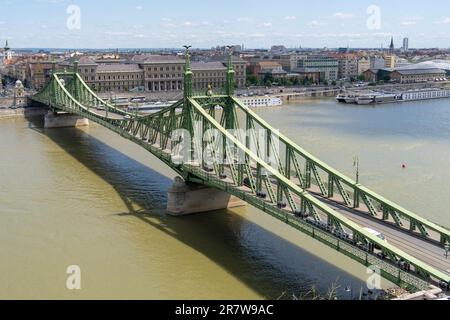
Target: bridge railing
(378,206)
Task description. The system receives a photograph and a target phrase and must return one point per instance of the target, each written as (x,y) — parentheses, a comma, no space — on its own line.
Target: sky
(204,24)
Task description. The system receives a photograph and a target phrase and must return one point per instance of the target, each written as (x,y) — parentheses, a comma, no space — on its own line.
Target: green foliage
(252,80)
(268,79)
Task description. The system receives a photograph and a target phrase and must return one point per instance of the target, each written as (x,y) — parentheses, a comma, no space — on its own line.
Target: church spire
(6,46)
(391,47)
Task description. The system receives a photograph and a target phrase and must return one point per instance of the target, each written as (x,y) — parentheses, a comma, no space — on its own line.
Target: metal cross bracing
(275,175)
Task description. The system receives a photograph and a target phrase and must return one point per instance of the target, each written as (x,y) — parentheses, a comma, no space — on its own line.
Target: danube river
(89,198)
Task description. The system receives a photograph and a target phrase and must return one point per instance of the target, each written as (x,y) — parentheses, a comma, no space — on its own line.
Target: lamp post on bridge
(230,72)
(356,165)
(187,74)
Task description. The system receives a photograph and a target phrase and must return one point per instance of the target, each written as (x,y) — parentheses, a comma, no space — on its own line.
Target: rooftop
(82,61)
(155,59)
(269,64)
(419,71)
(199,66)
(105,68)
(224,59)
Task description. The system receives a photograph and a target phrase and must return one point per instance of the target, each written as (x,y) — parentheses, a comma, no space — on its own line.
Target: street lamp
(356,165)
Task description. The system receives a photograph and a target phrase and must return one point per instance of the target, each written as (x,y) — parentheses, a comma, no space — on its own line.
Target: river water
(89,198)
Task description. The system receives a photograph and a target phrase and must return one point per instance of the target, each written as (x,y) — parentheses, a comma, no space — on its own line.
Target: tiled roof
(82,61)
(86,61)
(118,68)
(419,71)
(269,64)
(199,66)
(148,59)
(224,59)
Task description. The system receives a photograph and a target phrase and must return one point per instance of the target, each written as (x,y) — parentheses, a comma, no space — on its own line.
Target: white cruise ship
(425,94)
(260,102)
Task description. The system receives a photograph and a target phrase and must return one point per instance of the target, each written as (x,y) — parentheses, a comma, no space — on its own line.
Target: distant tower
(7,54)
(405,44)
(392,47)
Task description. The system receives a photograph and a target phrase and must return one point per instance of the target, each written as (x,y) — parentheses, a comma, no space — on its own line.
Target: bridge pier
(185,199)
(64,120)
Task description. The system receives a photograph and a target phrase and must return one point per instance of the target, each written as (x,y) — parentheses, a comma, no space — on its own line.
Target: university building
(154,73)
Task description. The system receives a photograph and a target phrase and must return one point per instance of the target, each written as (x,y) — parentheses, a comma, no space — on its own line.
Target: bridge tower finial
(75,67)
(53,65)
(230,72)
(188,74)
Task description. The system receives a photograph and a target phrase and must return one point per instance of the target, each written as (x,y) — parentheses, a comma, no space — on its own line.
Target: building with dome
(20,100)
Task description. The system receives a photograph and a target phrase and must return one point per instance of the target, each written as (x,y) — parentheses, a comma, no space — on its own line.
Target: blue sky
(256,24)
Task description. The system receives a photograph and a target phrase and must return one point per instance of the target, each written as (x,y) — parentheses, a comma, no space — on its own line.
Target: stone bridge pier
(186,199)
(63,120)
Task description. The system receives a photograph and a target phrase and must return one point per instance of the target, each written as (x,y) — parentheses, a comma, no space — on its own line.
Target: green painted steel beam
(445,233)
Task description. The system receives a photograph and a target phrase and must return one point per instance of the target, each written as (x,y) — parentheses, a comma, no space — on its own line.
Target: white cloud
(139,8)
(315,23)
(341,15)
(267,24)
(443,21)
(408,23)
(290,18)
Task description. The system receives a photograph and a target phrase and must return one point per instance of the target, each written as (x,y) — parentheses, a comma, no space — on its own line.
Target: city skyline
(145,24)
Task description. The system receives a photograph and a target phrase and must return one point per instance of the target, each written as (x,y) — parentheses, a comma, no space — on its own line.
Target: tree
(268,78)
(252,80)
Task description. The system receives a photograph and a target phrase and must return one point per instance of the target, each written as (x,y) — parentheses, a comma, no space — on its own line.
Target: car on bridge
(376,234)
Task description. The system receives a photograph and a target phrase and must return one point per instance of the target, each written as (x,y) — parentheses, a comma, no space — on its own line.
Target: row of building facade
(406,76)
(319,67)
(139,73)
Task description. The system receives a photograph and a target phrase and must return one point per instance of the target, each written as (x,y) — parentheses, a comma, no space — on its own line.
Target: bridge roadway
(109,115)
(425,250)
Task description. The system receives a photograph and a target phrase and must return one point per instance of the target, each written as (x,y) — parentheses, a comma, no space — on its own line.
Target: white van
(376,233)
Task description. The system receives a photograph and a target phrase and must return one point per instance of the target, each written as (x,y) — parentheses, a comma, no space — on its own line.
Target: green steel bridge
(276,175)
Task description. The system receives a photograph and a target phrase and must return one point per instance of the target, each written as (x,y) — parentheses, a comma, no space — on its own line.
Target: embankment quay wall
(22,112)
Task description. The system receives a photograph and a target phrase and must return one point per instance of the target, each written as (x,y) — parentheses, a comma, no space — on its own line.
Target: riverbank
(22,112)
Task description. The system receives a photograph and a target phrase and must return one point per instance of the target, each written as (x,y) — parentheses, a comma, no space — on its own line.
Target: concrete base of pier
(186,199)
(64,120)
